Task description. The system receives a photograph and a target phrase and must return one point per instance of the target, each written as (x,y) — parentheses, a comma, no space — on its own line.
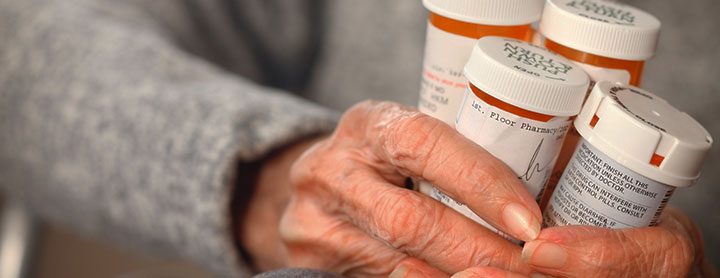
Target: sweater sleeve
(107,127)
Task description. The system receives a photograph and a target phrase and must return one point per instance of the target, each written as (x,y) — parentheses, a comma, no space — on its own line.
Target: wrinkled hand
(671,249)
(348,212)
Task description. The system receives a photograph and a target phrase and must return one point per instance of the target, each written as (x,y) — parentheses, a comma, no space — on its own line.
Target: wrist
(265,201)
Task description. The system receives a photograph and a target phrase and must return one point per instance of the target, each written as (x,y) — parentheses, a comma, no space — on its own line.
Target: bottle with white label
(609,40)
(635,150)
(453,28)
(517,106)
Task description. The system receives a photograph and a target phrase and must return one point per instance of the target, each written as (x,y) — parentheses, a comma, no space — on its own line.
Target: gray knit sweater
(127,119)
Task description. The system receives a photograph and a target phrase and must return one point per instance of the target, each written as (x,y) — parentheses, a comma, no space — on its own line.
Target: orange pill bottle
(518,106)
(453,28)
(609,40)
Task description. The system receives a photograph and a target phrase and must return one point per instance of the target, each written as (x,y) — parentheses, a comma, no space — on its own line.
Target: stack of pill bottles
(611,41)
(521,101)
(454,26)
(518,106)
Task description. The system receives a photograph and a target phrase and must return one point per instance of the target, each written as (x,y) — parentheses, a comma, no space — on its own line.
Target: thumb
(668,250)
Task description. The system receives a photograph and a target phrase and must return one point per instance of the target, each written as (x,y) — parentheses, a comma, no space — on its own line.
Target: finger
(422,146)
(424,228)
(489,272)
(412,223)
(666,250)
(317,240)
(411,268)
(702,266)
(675,219)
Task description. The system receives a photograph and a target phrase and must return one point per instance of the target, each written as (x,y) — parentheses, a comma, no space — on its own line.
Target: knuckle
(488,175)
(411,223)
(354,121)
(367,110)
(398,213)
(482,180)
(301,170)
(400,134)
(411,136)
(310,169)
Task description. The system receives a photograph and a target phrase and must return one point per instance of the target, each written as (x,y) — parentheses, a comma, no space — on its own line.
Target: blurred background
(32,248)
(685,72)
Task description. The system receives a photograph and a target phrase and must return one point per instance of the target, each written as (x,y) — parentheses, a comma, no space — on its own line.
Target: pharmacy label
(529,147)
(596,190)
(443,81)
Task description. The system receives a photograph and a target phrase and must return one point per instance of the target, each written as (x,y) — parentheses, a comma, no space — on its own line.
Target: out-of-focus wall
(62,253)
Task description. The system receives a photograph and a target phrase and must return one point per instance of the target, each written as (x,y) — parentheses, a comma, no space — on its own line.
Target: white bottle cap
(527,76)
(602,28)
(637,128)
(488,12)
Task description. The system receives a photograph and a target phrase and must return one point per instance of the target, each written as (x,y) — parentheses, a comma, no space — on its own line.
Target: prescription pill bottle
(610,40)
(635,150)
(517,106)
(453,28)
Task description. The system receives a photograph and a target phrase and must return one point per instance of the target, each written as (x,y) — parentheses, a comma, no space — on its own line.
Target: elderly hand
(671,249)
(348,212)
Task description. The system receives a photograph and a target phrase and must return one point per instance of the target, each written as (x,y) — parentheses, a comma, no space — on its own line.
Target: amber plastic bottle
(633,68)
(611,41)
(453,28)
(517,106)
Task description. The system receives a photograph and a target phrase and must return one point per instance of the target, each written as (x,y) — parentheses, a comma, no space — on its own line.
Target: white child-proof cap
(527,76)
(637,129)
(488,12)
(602,28)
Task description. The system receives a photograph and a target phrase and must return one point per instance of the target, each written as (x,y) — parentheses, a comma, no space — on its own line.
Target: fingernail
(538,275)
(462,274)
(399,272)
(521,222)
(544,254)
